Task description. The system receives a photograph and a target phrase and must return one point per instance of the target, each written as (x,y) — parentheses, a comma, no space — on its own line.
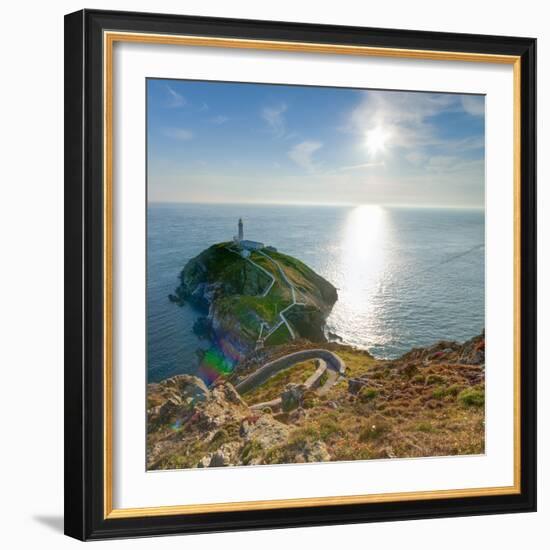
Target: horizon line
(327,204)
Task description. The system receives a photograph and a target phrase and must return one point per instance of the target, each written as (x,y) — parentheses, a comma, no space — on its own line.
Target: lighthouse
(243,245)
(241,231)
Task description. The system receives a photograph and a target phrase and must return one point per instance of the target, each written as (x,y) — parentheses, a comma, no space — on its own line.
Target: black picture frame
(84,283)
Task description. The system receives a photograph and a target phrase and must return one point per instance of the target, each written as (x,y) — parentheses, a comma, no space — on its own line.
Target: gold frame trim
(109,39)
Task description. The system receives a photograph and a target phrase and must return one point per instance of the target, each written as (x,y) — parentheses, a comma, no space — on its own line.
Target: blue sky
(258,143)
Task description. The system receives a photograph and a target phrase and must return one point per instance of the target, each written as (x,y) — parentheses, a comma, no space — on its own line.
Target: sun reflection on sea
(362,270)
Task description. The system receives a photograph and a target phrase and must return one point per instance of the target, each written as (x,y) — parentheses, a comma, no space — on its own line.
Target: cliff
(262,299)
(430,402)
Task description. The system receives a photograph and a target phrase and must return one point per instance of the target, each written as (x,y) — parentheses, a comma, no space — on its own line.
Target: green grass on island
(246,294)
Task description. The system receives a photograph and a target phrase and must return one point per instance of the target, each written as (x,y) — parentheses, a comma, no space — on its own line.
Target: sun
(376,140)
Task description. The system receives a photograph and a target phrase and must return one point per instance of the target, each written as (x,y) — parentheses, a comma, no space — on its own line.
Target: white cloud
(302,154)
(474,104)
(407,119)
(178,133)
(468,143)
(362,166)
(403,115)
(175,99)
(274,116)
(419,157)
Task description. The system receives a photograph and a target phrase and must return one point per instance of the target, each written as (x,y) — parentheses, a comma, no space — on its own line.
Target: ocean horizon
(406,277)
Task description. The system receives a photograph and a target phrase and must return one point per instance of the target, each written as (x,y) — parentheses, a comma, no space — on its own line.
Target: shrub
(309,402)
(472,397)
(323,379)
(250,451)
(368,394)
(377,429)
(454,390)
(435,379)
(233,429)
(220,437)
(439,393)
(410,370)
(353,453)
(304,435)
(328,428)
(275,455)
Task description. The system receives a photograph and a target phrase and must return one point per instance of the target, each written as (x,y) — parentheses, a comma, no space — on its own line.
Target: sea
(406,277)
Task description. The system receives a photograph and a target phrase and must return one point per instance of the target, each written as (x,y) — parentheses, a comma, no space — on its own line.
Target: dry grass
(404,410)
(412,407)
(273,388)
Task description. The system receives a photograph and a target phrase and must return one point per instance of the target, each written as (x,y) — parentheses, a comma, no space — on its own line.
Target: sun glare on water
(361,270)
(364,239)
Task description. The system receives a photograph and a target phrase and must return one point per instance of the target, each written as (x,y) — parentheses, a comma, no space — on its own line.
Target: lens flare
(376,140)
(214,364)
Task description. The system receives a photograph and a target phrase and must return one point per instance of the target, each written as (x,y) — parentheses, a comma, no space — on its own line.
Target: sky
(216,142)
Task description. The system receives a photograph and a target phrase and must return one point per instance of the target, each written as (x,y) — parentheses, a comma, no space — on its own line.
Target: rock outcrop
(214,423)
(242,298)
(429,402)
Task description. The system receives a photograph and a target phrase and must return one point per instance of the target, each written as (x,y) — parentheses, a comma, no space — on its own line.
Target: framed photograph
(300,274)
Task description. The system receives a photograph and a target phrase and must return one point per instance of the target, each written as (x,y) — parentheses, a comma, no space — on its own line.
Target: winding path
(328,361)
(282,318)
(293,294)
(265,271)
(311,383)
(332,362)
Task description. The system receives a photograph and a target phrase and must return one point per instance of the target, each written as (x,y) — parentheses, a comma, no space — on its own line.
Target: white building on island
(241,230)
(244,244)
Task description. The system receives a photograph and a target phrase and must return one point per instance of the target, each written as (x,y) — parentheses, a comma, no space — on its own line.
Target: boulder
(222,406)
(297,414)
(185,387)
(218,460)
(226,455)
(265,430)
(168,410)
(227,392)
(313,452)
(204,462)
(355,385)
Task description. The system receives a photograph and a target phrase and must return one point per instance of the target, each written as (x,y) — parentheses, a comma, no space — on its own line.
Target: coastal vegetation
(273,387)
(427,403)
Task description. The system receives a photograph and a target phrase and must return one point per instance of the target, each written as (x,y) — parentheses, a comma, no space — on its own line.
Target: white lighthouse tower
(244,245)
(241,231)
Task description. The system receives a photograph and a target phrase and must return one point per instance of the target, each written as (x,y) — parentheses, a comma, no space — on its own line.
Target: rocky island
(254,296)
